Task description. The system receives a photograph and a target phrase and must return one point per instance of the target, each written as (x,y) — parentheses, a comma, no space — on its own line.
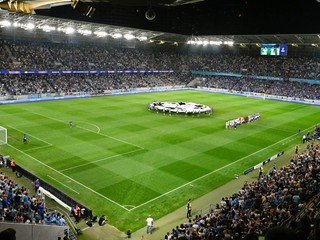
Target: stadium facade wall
(35,231)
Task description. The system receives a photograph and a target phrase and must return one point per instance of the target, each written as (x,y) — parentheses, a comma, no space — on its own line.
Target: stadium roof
(187,17)
(26,22)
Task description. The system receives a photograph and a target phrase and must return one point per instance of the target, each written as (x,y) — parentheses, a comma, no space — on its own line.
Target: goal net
(3,136)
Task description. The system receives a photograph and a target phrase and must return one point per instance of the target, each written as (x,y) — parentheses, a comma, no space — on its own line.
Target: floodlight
(84,32)
(129,36)
(47,28)
(5,23)
(142,38)
(215,43)
(100,33)
(116,35)
(230,43)
(69,30)
(30,26)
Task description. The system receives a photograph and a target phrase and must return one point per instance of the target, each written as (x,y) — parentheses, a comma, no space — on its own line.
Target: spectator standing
(189,208)
(260,172)
(13,165)
(77,212)
(36,185)
(149,224)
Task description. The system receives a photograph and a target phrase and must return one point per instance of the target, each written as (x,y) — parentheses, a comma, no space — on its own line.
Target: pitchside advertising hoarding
(85,71)
(263,163)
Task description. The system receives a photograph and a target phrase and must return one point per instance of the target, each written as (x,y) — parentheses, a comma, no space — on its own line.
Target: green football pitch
(126,162)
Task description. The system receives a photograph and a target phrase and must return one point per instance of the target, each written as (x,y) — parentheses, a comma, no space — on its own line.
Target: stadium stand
(20,205)
(288,196)
(39,56)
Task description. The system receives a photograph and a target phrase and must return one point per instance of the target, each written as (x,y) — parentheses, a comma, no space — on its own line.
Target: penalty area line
(31,136)
(216,170)
(84,186)
(89,130)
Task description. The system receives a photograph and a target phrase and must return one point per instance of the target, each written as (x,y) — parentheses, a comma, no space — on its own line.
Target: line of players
(241,120)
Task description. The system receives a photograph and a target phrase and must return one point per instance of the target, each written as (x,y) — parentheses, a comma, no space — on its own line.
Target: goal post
(3,136)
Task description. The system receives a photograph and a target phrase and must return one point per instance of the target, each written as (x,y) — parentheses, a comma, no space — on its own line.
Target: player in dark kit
(25,138)
(189,208)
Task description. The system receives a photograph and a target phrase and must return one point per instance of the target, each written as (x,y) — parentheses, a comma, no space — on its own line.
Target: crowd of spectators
(269,87)
(20,205)
(273,200)
(87,83)
(24,55)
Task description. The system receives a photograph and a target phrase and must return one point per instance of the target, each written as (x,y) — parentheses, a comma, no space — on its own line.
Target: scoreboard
(273,49)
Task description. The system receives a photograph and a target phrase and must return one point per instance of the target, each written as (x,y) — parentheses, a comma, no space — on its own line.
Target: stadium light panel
(116,35)
(215,43)
(84,32)
(129,36)
(47,28)
(142,38)
(100,33)
(69,30)
(30,26)
(230,43)
(5,23)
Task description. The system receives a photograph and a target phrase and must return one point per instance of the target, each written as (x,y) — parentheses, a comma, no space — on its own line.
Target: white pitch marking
(116,139)
(31,135)
(37,148)
(203,176)
(99,194)
(91,125)
(63,184)
(85,164)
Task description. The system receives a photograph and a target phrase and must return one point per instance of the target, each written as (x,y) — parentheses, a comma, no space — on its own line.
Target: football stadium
(112,132)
